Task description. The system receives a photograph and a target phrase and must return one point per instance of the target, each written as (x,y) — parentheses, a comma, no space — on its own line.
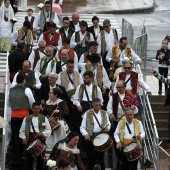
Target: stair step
(161,114)
(157,98)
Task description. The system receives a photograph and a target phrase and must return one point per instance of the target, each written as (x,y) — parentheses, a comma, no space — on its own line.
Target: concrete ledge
(133,6)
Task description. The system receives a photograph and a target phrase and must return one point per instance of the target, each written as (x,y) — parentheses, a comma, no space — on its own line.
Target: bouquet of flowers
(51,164)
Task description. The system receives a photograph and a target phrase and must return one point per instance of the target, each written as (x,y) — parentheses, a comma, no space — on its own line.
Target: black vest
(30,78)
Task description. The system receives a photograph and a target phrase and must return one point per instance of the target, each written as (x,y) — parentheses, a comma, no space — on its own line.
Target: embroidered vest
(28,124)
(36,58)
(90,122)
(43,61)
(122,124)
(65,80)
(103,41)
(27,39)
(81,92)
(133,80)
(43,19)
(53,41)
(30,78)
(99,74)
(70,54)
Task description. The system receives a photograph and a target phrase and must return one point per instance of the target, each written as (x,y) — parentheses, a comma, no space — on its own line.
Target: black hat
(94,58)
(27,24)
(148,163)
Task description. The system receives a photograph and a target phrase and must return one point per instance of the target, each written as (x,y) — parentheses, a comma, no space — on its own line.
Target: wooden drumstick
(105,127)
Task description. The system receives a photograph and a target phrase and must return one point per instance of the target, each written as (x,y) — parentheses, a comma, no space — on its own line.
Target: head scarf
(70,136)
(10,13)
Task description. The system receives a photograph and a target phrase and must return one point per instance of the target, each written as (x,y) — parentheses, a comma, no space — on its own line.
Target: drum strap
(71,81)
(88,98)
(97,120)
(33,129)
(46,64)
(129,78)
(128,128)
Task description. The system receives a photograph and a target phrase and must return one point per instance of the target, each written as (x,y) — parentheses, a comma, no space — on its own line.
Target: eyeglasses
(127,68)
(106,26)
(119,87)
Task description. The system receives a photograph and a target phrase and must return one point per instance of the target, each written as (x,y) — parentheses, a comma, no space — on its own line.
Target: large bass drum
(102,142)
(133,151)
(36,148)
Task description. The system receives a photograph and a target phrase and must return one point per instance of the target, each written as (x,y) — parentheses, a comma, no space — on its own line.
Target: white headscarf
(10,13)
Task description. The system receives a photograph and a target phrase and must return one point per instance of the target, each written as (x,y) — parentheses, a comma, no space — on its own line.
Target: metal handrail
(151,141)
(5,114)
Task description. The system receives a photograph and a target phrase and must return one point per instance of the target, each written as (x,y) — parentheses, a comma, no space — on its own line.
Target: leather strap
(97,120)
(87,96)
(129,77)
(71,81)
(128,128)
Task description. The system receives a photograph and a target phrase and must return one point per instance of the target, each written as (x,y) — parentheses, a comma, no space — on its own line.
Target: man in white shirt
(37,54)
(90,128)
(20,101)
(100,76)
(119,101)
(95,29)
(65,30)
(52,37)
(75,24)
(69,78)
(71,53)
(128,130)
(93,46)
(132,79)
(35,126)
(61,65)
(45,17)
(106,39)
(46,65)
(32,78)
(81,39)
(119,52)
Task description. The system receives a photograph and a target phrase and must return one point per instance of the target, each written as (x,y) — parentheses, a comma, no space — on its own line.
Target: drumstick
(105,127)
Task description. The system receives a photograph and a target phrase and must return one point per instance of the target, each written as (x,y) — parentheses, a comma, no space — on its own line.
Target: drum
(133,151)
(102,142)
(53,123)
(36,148)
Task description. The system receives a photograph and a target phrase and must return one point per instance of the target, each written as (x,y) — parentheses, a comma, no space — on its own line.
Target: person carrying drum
(94,126)
(127,135)
(33,132)
(148,165)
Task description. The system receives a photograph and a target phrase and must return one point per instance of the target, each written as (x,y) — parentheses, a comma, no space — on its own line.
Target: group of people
(77,92)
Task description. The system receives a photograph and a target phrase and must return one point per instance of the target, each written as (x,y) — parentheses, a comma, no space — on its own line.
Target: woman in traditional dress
(6,25)
(57,108)
(67,149)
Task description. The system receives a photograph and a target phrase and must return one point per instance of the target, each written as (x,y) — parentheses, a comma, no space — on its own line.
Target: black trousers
(127,165)
(163,71)
(17,142)
(94,157)
(30,160)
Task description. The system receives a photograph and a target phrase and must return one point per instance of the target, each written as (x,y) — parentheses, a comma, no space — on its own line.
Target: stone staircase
(161,115)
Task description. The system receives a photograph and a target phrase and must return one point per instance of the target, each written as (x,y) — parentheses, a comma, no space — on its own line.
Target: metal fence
(128,31)
(140,47)
(4,139)
(151,142)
